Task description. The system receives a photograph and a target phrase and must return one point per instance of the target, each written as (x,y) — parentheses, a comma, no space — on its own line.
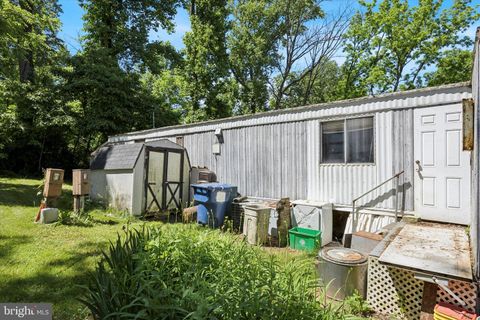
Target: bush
(181,271)
(70,218)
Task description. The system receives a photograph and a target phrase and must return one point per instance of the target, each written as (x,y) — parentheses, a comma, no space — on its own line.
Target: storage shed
(335,152)
(141,177)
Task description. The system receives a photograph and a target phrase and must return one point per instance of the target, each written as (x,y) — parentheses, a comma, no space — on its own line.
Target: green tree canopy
(391,43)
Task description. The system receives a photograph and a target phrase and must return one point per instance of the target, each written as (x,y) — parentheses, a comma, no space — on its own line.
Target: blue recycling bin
(214,202)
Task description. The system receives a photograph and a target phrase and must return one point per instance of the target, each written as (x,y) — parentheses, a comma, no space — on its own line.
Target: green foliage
(296,41)
(183,271)
(324,88)
(123,29)
(167,94)
(356,305)
(253,46)
(241,56)
(206,63)
(391,43)
(453,66)
(70,218)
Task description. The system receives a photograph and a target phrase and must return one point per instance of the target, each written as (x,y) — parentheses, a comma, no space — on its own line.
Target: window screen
(360,140)
(333,142)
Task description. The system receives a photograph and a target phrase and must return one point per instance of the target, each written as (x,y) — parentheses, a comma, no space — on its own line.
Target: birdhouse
(81,182)
(53,183)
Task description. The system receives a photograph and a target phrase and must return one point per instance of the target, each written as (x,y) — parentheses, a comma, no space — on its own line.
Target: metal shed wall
(277,153)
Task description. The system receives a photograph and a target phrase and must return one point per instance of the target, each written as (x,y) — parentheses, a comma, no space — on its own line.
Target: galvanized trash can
(255,224)
(342,271)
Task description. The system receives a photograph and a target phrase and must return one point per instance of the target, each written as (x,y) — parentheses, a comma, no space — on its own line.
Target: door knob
(419,167)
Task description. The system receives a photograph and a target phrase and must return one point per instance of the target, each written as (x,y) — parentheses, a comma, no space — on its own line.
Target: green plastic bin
(305,239)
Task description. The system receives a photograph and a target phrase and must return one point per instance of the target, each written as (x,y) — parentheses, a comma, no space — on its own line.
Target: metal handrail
(396,177)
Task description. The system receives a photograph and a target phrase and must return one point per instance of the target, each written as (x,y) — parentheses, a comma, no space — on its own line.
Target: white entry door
(442,169)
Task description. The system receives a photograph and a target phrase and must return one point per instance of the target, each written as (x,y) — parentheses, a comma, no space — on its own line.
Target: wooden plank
(429,301)
(468,127)
(430,248)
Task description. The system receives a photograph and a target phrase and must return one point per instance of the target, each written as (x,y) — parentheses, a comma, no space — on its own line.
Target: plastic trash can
(255,224)
(214,201)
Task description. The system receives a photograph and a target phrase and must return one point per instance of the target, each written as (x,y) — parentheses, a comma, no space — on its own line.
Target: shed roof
(124,156)
(116,157)
(164,143)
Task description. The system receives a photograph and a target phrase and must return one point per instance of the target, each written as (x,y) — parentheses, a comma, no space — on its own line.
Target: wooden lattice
(464,290)
(392,291)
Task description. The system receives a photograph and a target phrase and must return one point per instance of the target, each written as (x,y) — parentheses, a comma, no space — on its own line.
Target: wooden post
(78,203)
(283,222)
(429,300)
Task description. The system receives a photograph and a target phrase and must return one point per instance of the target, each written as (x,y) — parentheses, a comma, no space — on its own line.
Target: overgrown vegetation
(185,271)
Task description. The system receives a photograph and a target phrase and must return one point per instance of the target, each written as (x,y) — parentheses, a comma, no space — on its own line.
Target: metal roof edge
(138,156)
(325,105)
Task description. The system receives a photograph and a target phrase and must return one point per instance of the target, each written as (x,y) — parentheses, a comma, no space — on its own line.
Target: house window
(348,141)
(333,142)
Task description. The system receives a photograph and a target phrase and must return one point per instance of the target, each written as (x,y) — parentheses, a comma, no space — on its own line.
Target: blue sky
(72,23)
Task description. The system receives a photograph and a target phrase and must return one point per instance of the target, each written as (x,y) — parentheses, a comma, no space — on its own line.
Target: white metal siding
(263,161)
(475,223)
(277,154)
(341,183)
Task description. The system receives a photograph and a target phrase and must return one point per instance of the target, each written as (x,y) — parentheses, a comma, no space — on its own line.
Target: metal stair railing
(396,177)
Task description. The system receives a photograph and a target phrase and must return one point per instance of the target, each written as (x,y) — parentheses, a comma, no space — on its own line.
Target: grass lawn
(48,263)
(51,263)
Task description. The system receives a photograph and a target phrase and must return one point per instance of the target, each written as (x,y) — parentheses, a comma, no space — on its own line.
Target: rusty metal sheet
(468,128)
(431,248)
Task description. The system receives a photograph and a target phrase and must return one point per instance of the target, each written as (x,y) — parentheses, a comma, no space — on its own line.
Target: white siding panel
(263,161)
(277,153)
(475,227)
(341,183)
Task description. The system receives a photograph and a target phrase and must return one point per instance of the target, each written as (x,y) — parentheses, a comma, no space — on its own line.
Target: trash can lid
(256,206)
(213,186)
(343,255)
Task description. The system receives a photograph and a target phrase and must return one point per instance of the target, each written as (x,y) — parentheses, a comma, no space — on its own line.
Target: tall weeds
(183,272)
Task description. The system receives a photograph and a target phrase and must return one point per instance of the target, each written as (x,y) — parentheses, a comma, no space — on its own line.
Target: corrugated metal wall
(263,161)
(277,154)
(341,183)
(475,226)
(279,160)
(402,155)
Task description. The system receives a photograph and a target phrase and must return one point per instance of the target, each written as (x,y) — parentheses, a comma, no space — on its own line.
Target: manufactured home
(374,160)
(335,152)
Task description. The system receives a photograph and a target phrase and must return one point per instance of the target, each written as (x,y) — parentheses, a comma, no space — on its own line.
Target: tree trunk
(26,68)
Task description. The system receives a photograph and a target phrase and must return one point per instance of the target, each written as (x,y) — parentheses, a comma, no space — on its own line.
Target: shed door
(442,169)
(165,180)
(155,181)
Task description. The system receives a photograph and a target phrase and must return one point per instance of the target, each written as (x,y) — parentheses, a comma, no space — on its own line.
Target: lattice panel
(464,290)
(393,291)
